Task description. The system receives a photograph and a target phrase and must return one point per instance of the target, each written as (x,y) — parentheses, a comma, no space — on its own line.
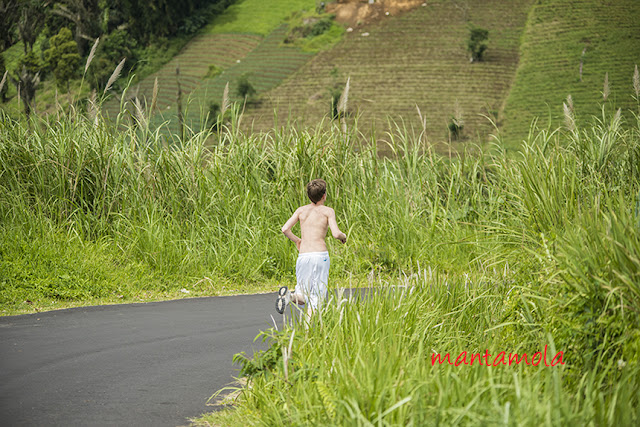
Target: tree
(9,13)
(28,78)
(85,16)
(62,57)
(476,43)
(30,22)
(245,88)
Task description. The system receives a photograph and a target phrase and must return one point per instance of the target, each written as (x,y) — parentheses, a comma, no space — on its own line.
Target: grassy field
(266,66)
(557,33)
(387,79)
(470,253)
(417,59)
(257,16)
(246,39)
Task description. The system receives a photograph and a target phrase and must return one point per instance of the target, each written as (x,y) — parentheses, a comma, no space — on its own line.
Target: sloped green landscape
(267,65)
(221,50)
(416,59)
(557,33)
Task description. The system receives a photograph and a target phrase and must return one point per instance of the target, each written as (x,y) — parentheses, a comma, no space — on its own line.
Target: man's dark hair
(316,189)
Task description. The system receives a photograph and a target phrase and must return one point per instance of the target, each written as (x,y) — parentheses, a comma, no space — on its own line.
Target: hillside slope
(417,58)
(222,50)
(225,42)
(267,65)
(557,33)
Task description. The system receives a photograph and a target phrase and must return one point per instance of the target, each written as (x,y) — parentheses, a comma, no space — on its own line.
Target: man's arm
(333,225)
(286,228)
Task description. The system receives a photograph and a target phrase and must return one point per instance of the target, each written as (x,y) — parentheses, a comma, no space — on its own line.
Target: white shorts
(312,273)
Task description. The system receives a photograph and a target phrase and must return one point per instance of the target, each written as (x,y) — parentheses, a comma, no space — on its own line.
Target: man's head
(316,189)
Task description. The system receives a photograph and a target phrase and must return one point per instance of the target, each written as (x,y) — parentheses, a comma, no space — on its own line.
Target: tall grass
(560,221)
(369,362)
(201,209)
(482,250)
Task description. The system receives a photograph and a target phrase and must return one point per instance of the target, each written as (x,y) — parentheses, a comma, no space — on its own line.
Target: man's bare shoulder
(304,208)
(327,210)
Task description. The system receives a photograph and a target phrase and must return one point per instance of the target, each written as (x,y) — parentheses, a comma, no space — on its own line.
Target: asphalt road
(153,364)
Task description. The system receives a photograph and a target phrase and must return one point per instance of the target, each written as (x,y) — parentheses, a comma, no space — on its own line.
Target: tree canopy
(62,57)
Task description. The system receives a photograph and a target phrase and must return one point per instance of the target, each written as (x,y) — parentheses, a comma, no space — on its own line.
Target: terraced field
(418,58)
(222,50)
(557,33)
(268,65)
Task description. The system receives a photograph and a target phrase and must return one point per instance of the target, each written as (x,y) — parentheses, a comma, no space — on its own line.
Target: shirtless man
(312,266)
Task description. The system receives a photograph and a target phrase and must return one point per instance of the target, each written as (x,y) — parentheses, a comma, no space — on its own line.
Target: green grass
(256,16)
(482,250)
(557,32)
(543,266)
(324,41)
(41,270)
(370,363)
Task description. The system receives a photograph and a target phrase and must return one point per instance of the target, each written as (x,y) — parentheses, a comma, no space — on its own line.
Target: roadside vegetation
(477,251)
(486,253)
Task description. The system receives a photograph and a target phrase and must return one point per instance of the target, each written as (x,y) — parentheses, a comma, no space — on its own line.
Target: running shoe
(283,299)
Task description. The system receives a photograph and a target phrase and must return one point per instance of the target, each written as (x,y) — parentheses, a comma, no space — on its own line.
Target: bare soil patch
(360,12)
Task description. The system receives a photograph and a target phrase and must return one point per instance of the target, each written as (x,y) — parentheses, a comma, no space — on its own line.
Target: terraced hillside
(417,58)
(222,50)
(557,33)
(268,65)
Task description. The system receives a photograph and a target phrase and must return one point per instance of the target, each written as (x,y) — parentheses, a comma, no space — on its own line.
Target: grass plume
(636,82)
(605,89)
(91,54)
(154,96)
(114,75)
(4,79)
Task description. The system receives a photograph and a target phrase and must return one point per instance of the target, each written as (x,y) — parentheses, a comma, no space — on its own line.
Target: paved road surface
(152,364)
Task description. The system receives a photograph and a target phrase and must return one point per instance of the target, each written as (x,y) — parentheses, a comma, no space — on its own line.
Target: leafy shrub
(309,27)
(213,71)
(320,27)
(111,50)
(455,128)
(476,43)
(245,89)
(215,119)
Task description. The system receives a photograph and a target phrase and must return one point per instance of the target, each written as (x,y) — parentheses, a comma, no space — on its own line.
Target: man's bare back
(314,222)
(315,219)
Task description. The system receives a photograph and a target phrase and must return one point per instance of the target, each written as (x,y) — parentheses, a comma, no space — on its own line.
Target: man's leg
(285,296)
